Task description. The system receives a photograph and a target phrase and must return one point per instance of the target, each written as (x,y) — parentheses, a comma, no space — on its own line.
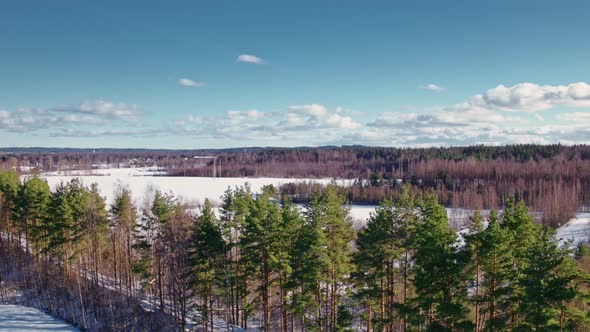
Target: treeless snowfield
(16,318)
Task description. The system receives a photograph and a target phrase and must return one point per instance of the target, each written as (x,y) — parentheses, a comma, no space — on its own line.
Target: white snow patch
(576,230)
(16,318)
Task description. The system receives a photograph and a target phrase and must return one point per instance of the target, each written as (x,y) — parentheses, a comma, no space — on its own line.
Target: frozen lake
(192,190)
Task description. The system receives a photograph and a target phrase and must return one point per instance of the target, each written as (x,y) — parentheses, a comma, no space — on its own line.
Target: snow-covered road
(16,318)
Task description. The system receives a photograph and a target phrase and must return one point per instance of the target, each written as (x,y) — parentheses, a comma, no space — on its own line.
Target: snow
(190,189)
(457,217)
(17,318)
(576,230)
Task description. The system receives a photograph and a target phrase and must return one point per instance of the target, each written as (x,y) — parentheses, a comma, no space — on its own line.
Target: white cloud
(68,132)
(318,116)
(99,112)
(312,122)
(575,117)
(103,109)
(501,115)
(248,58)
(190,83)
(432,87)
(529,97)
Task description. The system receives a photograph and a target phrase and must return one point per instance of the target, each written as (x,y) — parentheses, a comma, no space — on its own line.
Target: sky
(216,74)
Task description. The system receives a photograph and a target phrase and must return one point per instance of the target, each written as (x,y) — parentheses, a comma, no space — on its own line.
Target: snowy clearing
(16,318)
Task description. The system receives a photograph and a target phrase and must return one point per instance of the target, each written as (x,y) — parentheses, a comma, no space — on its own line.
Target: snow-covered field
(15,318)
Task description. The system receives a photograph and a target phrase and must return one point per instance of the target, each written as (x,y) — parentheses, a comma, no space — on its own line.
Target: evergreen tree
(260,248)
(473,242)
(523,232)
(374,263)
(551,281)
(123,219)
(9,183)
(308,262)
(385,250)
(440,272)
(33,199)
(290,223)
(330,214)
(495,258)
(207,252)
(234,209)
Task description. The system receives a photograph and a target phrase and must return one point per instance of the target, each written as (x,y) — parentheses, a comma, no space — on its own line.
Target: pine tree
(374,263)
(260,248)
(290,223)
(235,206)
(440,271)
(308,262)
(523,233)
(207,250)
(157,217)
(551,281)
(495,257)
(33,199)
(385,250)
(123,219)
(473,242)
(330,214)
(95,236)
(9,183)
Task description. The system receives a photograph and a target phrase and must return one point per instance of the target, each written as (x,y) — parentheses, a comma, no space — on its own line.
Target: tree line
(259,260)
(551,179)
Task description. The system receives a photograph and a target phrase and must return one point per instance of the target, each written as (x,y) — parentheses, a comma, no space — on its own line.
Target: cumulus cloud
(311,122)
(317,116)
(493,117)
(575,117)
(432,87)
(501,115)
(69,132)
(99,112)
(103,109)
(190,83)
(529,97)
(248,58)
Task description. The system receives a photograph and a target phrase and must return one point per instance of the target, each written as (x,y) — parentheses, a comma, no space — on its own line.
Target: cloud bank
(523,113)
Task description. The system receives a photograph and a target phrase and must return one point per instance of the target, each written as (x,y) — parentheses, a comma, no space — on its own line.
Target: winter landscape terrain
(294,166)
(16,318)
(142,184)
(143,181)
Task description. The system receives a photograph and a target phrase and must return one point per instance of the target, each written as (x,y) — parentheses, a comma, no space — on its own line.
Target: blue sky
(198,74)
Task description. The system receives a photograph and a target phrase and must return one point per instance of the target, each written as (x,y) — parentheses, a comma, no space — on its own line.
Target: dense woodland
(553,180)
(261,261)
